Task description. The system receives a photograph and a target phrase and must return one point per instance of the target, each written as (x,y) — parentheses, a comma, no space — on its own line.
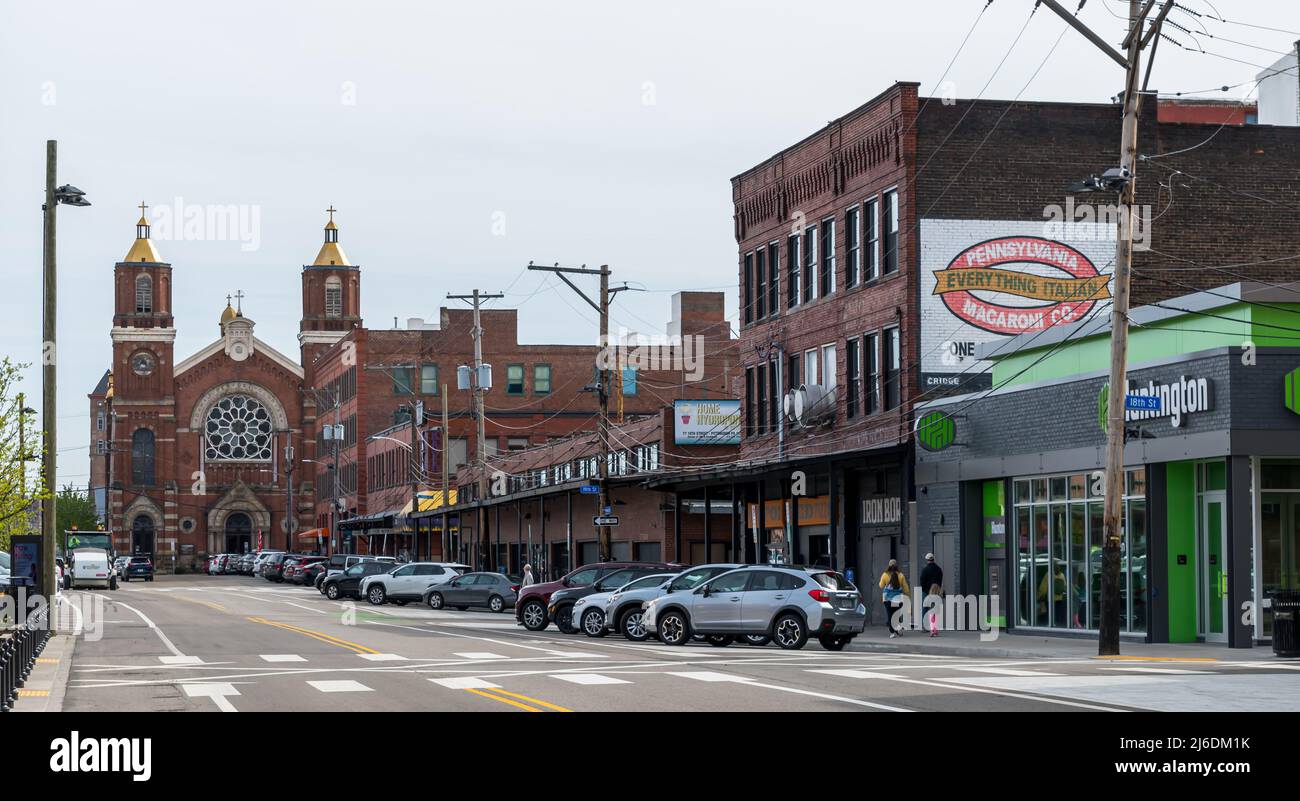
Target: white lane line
(588,678)
(383,657)
(1165,671)
(281,658)
(180,660)
(1008,671)
(216,691)
(341,686)
(465,683)
(170,647)
(308,608)
(849,673)
(962,685)
(479,655)
(706,675)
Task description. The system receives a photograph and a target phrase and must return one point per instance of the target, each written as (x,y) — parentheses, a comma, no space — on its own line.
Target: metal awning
(370,521)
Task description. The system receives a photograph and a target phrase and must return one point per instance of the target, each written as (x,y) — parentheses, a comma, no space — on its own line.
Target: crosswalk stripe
(707,675)
(849,673)
(281,658)
(1167,671)
(340,686)
(1008,671)
(588,678)
(383,657)
(465,683)
(479,655)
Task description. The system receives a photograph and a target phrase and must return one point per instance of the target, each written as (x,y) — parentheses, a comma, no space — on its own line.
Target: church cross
(239,299)
(331,210)
(142,208)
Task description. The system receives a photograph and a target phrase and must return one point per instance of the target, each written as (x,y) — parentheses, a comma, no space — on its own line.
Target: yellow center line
(516,704)
(210,604)
(530,700)
(317,635)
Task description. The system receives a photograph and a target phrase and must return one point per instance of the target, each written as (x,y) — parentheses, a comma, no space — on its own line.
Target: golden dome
(229,314)
(142,250)
(331,253)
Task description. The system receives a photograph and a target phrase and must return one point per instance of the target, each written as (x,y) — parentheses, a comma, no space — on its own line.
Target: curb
(52,679)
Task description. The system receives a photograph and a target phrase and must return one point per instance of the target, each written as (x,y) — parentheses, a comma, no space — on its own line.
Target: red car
(531,607)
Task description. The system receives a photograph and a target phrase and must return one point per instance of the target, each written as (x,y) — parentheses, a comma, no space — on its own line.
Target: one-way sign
(604,521)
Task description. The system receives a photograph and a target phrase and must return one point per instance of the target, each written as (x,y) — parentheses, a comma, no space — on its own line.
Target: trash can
(1286,616)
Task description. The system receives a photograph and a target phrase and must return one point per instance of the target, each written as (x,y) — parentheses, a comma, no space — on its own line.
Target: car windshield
(690,578)
(356,569)
(643,583)
(833,581)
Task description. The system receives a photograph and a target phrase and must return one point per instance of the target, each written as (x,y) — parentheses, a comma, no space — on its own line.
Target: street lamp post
(71,196)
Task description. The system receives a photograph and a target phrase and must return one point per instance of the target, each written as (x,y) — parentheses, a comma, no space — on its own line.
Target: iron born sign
(1177,398)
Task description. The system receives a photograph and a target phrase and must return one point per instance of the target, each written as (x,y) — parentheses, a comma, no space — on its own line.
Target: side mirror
(704,591)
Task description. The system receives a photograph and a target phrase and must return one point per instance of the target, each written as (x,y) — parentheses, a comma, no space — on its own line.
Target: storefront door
(1212,568)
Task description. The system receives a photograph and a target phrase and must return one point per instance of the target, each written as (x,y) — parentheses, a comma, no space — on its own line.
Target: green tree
(19,485)
(74,508)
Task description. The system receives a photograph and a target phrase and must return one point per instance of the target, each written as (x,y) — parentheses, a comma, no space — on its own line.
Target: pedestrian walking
(528,577)
(893,592)
(932,582)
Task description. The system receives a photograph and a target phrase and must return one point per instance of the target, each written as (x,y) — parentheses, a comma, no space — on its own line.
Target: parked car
(231,566)
(339,562)
(312,574)
(408,582)
(119,564)
(138,567)
(348,583)
(623,610)
(560,608)
(787,604)
(261,559)
(531,607)
(273,565)
(244,567)
(589,612)
(496,591)
(296,566)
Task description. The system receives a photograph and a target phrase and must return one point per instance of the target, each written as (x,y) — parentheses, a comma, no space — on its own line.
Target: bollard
(5,680)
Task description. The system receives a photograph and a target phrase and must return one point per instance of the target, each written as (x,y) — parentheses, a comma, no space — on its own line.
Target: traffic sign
(589,489)
(604,521)
(1142,403)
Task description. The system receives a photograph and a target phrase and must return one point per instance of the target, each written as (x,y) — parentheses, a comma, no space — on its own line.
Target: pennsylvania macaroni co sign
(986,280)
(996,267)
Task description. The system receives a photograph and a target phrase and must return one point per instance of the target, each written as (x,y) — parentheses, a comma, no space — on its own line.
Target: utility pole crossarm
(1087,32)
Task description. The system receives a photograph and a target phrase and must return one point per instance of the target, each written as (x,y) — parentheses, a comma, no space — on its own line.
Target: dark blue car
(138,567)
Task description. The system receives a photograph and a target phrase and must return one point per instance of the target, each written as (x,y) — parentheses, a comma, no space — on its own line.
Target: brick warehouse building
(852,246)
(539,395)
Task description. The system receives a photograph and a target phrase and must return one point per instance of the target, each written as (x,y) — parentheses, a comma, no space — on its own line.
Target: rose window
(238,427)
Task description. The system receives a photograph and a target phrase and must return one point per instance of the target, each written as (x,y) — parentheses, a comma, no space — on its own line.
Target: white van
(90,568)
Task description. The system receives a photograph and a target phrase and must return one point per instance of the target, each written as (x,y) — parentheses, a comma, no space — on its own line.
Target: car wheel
(756,640)
(435,600)
(534,616)
(790,632)
(833,643)
(632,625)
(376,595)
(496,604)
(332,591)
(720,640)
(593,623)
(564,619)
(674,629)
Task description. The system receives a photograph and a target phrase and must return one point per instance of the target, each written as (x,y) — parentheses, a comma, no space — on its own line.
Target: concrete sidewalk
(1037,646)
(44,689)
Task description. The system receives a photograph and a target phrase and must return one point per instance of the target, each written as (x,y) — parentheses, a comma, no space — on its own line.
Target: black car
(140,567)
(348,583)
(560,609)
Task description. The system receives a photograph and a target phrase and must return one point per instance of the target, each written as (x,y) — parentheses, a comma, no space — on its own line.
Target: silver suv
(623,608)
(788,604)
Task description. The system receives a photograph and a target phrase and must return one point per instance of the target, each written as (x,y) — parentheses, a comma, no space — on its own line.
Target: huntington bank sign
(1177,399)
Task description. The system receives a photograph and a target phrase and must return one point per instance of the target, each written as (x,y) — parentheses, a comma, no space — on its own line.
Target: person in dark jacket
(932,584)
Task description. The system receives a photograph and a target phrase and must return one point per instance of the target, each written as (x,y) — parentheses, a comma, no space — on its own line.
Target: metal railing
(18,651)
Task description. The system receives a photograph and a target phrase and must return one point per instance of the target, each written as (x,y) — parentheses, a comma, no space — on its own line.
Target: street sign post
(604,521)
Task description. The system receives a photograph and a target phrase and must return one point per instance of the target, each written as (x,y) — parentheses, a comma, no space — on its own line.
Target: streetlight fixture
(67,195)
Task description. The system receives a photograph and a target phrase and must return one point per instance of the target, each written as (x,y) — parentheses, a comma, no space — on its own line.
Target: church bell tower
(331,297)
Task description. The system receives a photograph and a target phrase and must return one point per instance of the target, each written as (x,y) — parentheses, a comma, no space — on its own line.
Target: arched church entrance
(239,533)
(142,534)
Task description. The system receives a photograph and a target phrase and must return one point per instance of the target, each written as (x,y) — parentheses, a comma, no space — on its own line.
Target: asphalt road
(230,643)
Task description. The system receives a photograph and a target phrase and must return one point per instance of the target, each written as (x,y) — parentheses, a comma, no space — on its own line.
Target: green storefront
(1212,485)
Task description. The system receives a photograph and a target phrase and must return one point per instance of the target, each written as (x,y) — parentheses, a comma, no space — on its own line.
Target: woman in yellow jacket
(893,594)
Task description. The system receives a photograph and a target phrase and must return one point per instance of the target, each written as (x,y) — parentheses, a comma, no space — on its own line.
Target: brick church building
(205,451)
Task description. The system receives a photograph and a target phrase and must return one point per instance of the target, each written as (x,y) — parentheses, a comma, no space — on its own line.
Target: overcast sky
(461,140)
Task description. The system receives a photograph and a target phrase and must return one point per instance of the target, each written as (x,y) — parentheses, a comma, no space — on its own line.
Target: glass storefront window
(1059,535)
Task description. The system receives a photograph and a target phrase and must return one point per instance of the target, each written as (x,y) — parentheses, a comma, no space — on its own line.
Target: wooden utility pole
(290,519)
(1126,182)
(602,385)
(480,445)
(446,480)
